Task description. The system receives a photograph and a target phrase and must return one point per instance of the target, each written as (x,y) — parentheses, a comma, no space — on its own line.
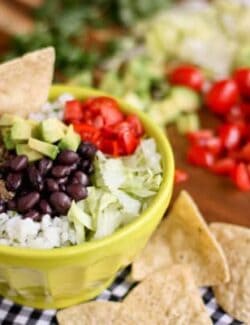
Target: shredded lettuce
(122,189)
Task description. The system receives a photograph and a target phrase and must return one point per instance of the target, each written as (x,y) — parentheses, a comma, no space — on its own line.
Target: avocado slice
(24,149)
(21,131)
(7,139)
(44,148)
(71,140)
(8,119)
(52,130)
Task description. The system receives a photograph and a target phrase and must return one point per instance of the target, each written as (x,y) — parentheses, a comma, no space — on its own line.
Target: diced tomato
(223,166)
(236,114)
(73,111)
(136,123)
(245,108)
(180,176)
(187,75)
(230,135)
(110,147)
(87,132)
(244,153)
(127,136)
(200,157)
(105,107)
(222,96)
(242,78)
(240,177)
(199,137)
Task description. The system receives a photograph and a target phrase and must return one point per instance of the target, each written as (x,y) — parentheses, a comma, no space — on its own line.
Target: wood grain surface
(217,198)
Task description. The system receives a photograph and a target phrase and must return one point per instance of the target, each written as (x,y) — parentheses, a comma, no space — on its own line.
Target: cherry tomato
(240,177)
(199,137)
(187,75)
(242,78)
(230,135)
(180,176)
(224,166)
(222,96)
(200,157)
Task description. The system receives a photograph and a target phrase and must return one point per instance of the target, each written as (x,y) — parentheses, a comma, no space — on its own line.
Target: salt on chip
(168,296)
(184,238)
(234,296)
(92,313)
(25,82)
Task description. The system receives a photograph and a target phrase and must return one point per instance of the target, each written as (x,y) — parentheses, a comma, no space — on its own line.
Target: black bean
(60,201)
(87,166)
(67,157)
(13,181)
(2,206)
(35,178)
(52,185)
(80,178)
(62,180)
(11,204)
(60,171)
(77,191)
(33,214)
(87,150)
(45,207)
(28,201)
(44,166)
(19,163)
(73,167)
(62,187)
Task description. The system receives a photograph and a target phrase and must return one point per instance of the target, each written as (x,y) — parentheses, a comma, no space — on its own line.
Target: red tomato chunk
(100,121)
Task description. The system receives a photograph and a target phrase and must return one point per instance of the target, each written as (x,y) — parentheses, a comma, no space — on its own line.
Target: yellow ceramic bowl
(62,277)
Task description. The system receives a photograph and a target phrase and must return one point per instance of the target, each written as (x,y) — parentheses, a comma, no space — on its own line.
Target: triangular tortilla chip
(92,313)
(25,82)
(184,238)
(168,296)
(234,296)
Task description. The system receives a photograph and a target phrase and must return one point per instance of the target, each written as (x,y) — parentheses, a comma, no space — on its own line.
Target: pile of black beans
(48,186)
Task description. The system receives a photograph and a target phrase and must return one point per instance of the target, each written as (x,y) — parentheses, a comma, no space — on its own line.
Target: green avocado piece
(21,130)
(24,149)
(52,130)
(8,119)
(71,140)
(44,148)
(7,140)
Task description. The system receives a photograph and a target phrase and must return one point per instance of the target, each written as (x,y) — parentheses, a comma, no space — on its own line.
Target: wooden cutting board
(217,198)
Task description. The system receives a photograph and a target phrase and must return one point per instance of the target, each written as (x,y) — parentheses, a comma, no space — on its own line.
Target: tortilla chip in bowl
(61,277)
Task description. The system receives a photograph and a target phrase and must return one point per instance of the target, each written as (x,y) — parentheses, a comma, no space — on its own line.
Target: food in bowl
(74,172)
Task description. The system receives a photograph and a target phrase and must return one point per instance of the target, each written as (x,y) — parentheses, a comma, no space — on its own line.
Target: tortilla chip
(184,238)
(25,82)
(234,296)
(168,296)
(92,313)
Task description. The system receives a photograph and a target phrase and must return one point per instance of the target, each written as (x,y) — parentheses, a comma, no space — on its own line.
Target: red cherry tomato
(187,75)
(200,157)
(180,176)
(199,137)
(222,96)
(224,166)
(240,177)
(242,78)
(230,135)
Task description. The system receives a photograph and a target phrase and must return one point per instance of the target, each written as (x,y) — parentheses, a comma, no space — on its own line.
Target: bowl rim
(164,190)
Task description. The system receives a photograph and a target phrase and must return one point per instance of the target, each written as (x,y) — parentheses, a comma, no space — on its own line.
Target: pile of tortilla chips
(183,254)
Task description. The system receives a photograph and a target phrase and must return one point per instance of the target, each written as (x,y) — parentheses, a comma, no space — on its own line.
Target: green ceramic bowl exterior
(62,277)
